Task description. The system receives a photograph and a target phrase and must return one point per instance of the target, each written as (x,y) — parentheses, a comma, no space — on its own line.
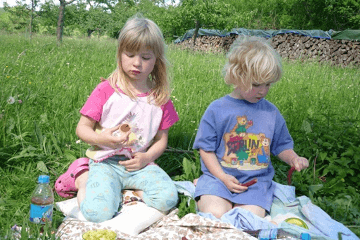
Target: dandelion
(11,100)
(29,82)
(7,76)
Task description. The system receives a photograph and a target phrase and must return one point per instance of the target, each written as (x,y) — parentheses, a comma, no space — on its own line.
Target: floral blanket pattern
(191,226)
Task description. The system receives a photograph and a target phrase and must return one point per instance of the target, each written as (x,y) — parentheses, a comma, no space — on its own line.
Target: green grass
(320,104)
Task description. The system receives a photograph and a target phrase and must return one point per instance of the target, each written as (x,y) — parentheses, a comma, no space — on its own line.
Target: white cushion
(134,216)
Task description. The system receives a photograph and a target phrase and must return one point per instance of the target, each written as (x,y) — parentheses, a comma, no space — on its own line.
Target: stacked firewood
(291,46)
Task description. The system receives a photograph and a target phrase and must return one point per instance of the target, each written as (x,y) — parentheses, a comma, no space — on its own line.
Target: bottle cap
(44,179)
(305,236)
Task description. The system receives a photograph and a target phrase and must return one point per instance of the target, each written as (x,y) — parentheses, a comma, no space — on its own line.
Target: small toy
(124,128)
(297,221)
(249,183)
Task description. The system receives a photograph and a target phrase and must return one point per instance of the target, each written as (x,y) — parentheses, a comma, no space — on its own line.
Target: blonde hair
(140,32)
(252,60)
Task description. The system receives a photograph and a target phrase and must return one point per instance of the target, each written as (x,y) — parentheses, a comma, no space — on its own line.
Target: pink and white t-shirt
(110,108)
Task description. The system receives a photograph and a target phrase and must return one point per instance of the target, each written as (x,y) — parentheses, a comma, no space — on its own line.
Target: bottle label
(40,214)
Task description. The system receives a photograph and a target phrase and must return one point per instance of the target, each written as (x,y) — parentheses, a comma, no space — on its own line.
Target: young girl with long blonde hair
(126,121)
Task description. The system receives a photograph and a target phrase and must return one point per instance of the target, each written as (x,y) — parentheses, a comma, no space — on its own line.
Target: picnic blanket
(204,225)
(285,205)
(191,226)
(138,221)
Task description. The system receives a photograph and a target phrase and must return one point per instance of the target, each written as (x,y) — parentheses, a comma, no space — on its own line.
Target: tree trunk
(31,17)
(89,32)
(197,26)
(60,24)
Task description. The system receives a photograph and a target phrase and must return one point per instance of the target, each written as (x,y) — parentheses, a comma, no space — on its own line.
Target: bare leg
(80,184)
(139,193)
(259,211)
(214,204)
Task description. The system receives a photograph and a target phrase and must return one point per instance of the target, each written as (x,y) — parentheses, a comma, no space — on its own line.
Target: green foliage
(5,22)
(190,171)
(107,17)
(48,16)
(335,165)
(15,18)
(187,205)
(325,15)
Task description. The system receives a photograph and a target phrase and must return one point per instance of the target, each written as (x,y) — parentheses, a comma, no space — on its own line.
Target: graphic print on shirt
(127,125)
(135,139)
(243,150)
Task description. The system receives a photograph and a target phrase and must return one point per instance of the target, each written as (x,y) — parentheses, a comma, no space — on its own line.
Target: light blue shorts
(107,179)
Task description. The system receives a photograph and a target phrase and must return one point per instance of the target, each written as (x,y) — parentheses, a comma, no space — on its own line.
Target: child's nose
(137,61)
(263,89)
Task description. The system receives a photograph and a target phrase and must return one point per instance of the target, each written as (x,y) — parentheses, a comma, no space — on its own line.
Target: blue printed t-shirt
(242,135)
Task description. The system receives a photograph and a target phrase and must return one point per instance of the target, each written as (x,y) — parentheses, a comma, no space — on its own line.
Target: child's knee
(164,199)
(257,210)
(170,198)
(213,204)
(97,215)
(217,212)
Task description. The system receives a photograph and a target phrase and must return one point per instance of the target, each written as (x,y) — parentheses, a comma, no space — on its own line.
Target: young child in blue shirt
(238,132)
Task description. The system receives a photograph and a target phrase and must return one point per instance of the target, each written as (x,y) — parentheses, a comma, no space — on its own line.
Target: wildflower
(29,82)
(11,100)
(78,141)
(8,76)
(20,101)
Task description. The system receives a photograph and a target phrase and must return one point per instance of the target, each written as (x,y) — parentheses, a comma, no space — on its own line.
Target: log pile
(291,46)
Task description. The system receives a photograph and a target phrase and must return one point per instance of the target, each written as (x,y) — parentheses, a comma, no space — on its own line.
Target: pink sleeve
(170,116)
(93,106)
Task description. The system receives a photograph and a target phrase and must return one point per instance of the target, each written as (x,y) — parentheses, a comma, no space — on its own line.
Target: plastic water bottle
(42,202)
(269,234)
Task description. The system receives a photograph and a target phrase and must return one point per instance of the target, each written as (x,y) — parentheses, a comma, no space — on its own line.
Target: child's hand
(233,184)
(300,163)
(138,161)
(111,141)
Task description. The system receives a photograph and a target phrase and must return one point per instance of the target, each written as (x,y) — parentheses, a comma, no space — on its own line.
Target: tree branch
(70,2)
